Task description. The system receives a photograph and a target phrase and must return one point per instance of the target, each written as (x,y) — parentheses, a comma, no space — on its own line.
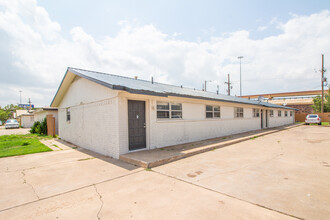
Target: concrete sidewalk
(160,156)
(284,175)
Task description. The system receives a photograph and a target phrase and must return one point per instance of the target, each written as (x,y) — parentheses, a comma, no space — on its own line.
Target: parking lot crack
(100,197)
(25,182)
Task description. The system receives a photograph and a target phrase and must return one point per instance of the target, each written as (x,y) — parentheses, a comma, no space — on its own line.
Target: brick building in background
(302,100)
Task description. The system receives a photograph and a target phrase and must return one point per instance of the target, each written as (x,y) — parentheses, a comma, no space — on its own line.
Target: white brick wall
(194,125)
(276,121)
(94,117)
(99,119)
(27,121)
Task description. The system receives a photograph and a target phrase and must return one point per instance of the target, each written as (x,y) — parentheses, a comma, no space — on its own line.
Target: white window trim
(255,112)
(235,112)
(170,111)
(206,111)
(271,115)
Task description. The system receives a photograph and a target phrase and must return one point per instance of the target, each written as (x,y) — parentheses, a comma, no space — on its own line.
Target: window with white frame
(68,114)
(169,110)
(212,111)
(286,113)
(279,113)
(291,113)
(271,113)
(238,112)
(256,113)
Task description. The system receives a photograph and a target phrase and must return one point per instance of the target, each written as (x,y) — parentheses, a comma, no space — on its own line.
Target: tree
(317,103)
(6,112)
(4,115)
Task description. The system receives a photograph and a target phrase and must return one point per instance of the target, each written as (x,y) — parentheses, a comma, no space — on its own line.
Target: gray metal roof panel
(138,86)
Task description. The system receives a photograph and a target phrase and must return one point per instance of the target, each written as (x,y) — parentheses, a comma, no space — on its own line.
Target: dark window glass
(176,114)
(68,115)
(163,106)
(209,115)
(217,114)
(216,108)
(208,108)
(163,114)
(176,107)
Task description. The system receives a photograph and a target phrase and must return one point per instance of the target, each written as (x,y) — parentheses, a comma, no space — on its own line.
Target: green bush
(34,126)
(39,127)
(43,127)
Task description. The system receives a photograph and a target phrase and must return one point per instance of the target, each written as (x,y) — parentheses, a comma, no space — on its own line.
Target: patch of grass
(323,124)
(88,158)
(224,138)
(18,144)
(148,169)
(254,137)
(278,142)
(57,146)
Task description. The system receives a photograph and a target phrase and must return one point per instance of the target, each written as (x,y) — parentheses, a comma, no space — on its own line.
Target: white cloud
(262,28)
(38,55)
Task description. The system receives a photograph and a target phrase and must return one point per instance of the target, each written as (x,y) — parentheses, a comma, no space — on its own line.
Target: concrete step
(160,156)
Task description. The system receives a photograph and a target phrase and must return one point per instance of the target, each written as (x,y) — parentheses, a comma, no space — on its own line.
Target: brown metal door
(136,125)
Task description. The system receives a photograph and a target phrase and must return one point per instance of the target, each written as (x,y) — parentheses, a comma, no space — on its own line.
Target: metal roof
(145,87)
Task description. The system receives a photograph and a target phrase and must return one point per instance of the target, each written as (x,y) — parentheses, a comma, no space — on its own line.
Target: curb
(148,165)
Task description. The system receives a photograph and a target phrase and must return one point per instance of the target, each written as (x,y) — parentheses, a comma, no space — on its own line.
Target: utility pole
(30,104)
(322,82)
(240,74)
(229,85)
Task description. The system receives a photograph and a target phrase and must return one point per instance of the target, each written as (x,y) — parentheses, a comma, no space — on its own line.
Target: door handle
(144,125)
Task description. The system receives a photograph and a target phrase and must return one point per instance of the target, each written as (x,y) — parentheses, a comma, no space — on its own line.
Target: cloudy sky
(177,42)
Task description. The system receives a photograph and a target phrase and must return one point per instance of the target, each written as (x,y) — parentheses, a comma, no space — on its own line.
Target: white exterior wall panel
(166,132)
(94,117)
(276,121)
(39,116)
(99,119)
(193,126)
(27,121)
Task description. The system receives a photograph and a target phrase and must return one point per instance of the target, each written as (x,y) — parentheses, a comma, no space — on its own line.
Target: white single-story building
(41,113)
(26,120)
(114,115)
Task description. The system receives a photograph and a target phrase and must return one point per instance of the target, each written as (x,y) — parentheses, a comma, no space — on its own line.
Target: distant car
(12,123)
(313,118)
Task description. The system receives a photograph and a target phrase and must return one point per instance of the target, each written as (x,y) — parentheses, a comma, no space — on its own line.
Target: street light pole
(20,96)
(240,74)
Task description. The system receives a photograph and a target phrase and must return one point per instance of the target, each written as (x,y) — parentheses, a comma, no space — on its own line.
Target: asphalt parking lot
(4,131)
(283,175)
